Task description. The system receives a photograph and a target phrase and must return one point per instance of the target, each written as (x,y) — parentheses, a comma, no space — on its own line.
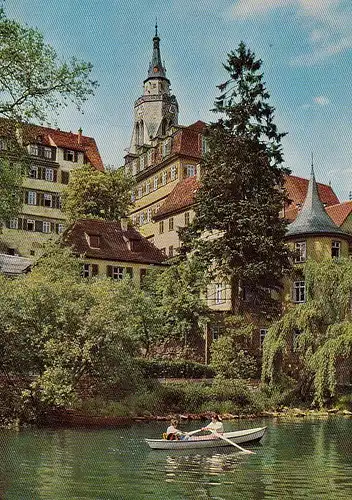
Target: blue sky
(305,46)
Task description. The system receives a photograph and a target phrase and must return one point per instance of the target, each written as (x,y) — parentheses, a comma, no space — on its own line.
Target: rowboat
(212,441)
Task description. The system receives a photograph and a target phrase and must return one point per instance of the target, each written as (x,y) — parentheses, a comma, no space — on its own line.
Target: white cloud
(321,100)
(327,22)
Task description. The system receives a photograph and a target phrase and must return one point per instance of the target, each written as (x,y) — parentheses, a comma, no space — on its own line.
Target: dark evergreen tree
(238,231)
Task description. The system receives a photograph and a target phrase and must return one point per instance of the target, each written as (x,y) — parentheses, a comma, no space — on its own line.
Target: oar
(193,432)
(230,442)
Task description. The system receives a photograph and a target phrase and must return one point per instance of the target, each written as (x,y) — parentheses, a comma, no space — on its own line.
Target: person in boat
(215,425)
(172,432)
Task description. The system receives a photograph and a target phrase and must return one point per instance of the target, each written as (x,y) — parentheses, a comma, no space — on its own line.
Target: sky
(305,46)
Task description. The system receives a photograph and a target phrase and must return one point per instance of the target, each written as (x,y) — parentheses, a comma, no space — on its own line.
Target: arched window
(141,133)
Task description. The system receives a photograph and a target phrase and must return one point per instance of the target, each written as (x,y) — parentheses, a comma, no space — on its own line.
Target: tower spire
(156,68)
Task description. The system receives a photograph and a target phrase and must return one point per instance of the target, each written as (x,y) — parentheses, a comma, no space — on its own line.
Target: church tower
(156,110)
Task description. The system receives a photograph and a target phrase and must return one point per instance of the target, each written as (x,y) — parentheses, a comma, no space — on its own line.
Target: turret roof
(156,68)
(313,219)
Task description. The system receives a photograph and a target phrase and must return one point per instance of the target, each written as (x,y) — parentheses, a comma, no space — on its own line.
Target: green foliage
(33,80)
(159,368)
(325,327)
(97,195)
(176,290)
(11,178)
(228,357)
(237,230)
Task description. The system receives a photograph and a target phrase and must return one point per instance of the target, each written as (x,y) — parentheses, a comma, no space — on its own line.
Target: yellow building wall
(170,238)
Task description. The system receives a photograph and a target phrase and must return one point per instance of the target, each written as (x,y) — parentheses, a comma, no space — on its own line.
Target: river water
(307,459)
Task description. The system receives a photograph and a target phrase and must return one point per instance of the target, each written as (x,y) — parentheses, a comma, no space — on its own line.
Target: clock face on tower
(155,69)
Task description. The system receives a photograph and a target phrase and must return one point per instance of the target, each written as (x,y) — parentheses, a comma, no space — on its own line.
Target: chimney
(79,136)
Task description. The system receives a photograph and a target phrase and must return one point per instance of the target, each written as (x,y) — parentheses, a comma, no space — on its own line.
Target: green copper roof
(312,218)
(156,68)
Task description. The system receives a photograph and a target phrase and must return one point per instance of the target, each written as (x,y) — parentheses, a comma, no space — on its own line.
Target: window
(47,153)
(13,224)
(156,181)
(60,228)
(190,170)
(219,293)
(33,149)
(48,200)
(149,214)
(150,157)
(171,251)
(90,270)
(299,292)
(134,220)
(140,192)
(65,177)
(204,145)
(141,163)
(186,218)
(336,249)
(300,251)
(32,198)
(161,227)
(49,174)
(141,219)
(166,147)
(171,224)
(33,173)
(133,196)
(30,225)
(147,187)
(216,331)
(164,178)
(134,167)
(173,172)
(46,227)
(262,335)
(117,273)
(70,155)
(94,240)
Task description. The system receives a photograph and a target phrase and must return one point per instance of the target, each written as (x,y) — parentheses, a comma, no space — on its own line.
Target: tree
(237,229)
(33,81)
(100,195)
(312,339)
(33,84)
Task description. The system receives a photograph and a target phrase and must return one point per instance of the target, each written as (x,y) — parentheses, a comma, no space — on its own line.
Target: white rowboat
(244,436)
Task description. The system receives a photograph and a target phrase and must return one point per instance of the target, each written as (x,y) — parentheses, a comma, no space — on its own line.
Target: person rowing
(215,425)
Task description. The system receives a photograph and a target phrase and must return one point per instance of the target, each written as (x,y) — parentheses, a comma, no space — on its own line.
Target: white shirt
(215,426)
(172,430)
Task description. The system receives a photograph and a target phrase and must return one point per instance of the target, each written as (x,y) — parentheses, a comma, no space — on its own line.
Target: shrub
(160,368)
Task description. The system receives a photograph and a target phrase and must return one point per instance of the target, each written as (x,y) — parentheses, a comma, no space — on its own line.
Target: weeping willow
(310,340)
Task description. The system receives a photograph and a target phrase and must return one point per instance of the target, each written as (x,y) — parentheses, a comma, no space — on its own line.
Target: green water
(298,459)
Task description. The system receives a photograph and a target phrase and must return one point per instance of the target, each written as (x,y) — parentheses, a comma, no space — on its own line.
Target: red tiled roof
(340,212)
(199,126)
(297,187)
(54,137)
(181,197)
(116,243)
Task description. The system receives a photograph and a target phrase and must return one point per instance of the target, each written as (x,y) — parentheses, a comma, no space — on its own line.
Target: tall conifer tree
(238,231)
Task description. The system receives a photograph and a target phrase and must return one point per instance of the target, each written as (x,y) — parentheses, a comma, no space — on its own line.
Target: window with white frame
(262,335)
(164,178)
(216,331)
(149,214)
(190,170)
(173,173)
(166,147)
(186,219)
(133,196)
(161,227)
(150,157)
(69,155)
(134,220)
(33,173)
(32,198)
(60,228)
(46,227)
(171,224)
(49,174)
(33,149)
(336,249)
(147,187)
(300,251)
(140,192)
(117,273)
(141,163)
(219,291)
(13,223)
(155,183)
(48,200)
(141,219)
(87,270)
(299,292)
(47,153)
(204,145)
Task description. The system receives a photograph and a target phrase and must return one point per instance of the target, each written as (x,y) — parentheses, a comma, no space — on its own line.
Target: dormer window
(33,149)
(93,240)
(70,155)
